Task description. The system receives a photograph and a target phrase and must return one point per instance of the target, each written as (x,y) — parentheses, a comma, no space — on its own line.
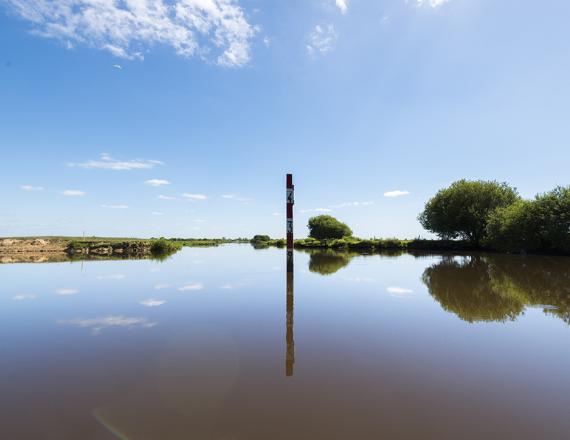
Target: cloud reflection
(191,286)
(399,292)
(98,324)
(152,302)
(66,291)
(23,297)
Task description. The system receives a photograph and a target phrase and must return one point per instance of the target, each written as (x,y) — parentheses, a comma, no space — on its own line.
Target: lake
(222,343)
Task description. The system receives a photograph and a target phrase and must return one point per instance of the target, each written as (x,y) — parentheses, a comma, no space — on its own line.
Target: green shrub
(542,224)
(327,227)
(462,209)
(260,239)
(163,246)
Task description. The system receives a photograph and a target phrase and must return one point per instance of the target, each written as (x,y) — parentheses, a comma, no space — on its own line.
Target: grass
(372,245)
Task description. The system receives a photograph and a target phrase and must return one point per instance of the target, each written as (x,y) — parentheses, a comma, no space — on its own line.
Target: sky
(180,118)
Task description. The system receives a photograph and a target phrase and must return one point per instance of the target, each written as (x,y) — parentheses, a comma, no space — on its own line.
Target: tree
(326,226)
(462,210)
(542,224)
(260,239)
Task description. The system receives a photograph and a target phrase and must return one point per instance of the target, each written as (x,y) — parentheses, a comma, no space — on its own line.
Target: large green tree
(326,226)
(462,210)
(542,224)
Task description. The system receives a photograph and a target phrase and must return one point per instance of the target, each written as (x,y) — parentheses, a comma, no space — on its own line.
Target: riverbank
(374,245)
(43,249)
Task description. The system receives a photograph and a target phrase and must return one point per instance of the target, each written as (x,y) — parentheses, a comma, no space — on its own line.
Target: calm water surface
(221,343)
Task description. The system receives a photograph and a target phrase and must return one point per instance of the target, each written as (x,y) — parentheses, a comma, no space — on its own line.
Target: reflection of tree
(498,287)
(328,262)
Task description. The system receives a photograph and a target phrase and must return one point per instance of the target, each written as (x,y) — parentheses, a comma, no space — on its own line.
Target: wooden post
(290,350)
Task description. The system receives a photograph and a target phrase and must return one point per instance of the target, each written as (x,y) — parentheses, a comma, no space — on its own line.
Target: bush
(163,246)
(462,210)
(260,239)
(513,228)
(327,227)
(542,224)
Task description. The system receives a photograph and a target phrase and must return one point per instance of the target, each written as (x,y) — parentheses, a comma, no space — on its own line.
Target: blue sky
(105,106)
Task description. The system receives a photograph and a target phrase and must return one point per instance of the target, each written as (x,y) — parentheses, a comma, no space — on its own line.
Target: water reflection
(328,262)
(499,287)
(289,338)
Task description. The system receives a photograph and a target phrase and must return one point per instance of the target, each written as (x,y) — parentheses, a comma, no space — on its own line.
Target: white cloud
(190,287)
(156,182)
(162,197)
(342,5)
(157,213)
(399,291)
(315,210)
(66,291)
(322,39)
(352,204)
(161,286)
(115,206)
(106,162)
(24,297)
(276,214)
(396,193)
(235,197)
(98,324)
(118,66)
(432,3)
(215,30)
(151,302)
(31,188)
(194,196)
(73,193)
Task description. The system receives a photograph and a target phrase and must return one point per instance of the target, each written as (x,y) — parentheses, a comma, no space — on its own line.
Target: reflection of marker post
(290,353)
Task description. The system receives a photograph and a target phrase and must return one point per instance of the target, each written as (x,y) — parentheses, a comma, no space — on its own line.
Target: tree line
(492,215)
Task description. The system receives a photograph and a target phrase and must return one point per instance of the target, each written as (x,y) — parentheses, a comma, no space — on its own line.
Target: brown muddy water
(221,343)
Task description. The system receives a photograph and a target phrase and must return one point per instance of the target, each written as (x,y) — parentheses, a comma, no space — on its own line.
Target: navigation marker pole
(290,203)
(290,353)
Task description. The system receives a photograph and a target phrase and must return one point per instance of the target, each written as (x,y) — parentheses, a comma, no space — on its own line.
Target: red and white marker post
(290,202)
(290,350)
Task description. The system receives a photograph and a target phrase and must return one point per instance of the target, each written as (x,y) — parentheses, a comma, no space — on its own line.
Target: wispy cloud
(151,302)
(215,30)
(106,162)
(115,206)
(352,204)
(73,193)
(118,66)
(322,39)
(315,210)
(342,5)
(24,297)
(191,287)
(31,188)
(194,197)
(396,193)
(156,182)
(431,3)
(163,197)
(161,286)
(157,213)
(276,214)
(235,197)
(66,291)
(98,324)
